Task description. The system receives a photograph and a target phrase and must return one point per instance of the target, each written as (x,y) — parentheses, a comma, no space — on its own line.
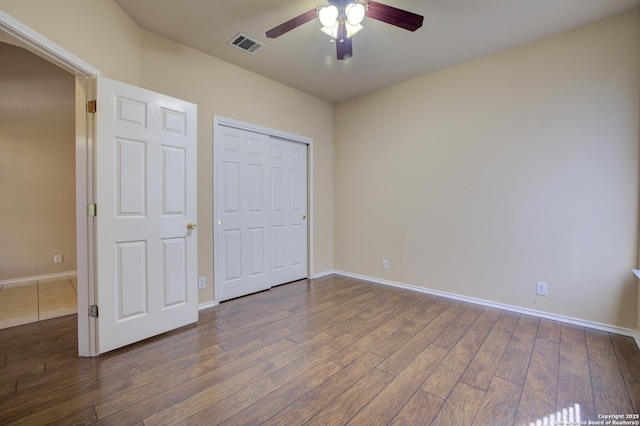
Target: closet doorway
(261,204)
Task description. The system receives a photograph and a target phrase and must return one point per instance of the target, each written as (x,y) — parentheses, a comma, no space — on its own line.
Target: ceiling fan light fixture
(355,13)
(328,16)
(333,31)
(342,19)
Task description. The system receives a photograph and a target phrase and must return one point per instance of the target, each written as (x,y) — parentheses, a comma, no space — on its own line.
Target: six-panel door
(261,205)
(145,170)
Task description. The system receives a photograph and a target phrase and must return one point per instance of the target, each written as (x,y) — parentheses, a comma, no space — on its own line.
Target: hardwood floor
(331,351)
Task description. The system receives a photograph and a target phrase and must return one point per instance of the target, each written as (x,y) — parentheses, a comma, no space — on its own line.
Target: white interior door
(145,191)
(242,200)
(261,207)
(288,210)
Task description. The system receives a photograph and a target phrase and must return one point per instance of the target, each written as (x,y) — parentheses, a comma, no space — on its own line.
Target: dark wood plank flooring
(331,351)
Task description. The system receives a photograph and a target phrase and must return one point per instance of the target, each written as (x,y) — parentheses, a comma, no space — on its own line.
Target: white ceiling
(454,31)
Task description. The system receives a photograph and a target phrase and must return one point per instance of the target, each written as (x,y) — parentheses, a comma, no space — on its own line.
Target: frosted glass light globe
(328,16)
(355,13)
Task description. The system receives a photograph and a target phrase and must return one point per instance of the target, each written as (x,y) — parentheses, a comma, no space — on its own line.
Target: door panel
(131,191)
(174,196)
(233,255)
(240,205)
(289,191)
(131,279)
(174,260)
(256,251)
(145,174)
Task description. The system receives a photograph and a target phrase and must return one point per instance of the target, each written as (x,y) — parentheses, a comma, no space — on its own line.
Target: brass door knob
(191,226)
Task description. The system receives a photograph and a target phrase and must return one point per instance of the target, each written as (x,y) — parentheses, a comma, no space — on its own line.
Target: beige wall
(37,166)
(518,167)
(219,88)
(120,50)
(96,31)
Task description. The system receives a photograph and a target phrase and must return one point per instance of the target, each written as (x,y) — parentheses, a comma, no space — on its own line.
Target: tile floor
(37,300)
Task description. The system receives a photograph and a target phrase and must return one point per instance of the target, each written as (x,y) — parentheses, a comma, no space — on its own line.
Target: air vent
(246,44)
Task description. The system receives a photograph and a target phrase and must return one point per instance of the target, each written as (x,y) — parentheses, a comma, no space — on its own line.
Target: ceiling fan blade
(394,16)
(344,47)
(292,23)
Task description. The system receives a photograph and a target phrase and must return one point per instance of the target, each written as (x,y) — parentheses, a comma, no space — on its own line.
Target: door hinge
(92,106)
(93,311)
(93,210)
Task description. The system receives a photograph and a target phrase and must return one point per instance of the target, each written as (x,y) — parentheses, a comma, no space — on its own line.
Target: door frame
(218,122)
(85,86)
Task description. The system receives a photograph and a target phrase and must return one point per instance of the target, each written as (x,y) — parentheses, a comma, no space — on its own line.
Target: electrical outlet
(385,264)
(202,283)
(57,258)
(541,288)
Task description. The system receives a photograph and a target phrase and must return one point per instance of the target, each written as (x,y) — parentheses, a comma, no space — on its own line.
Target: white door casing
(145,191)
(260,201)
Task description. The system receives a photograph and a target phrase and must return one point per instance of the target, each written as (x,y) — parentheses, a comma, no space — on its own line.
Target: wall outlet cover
(541,288)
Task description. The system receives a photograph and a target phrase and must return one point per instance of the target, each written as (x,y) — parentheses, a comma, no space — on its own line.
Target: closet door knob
(191,226)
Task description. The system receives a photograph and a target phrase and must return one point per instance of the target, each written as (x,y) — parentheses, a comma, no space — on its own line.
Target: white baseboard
(511,308)
(323,274)
(207,305)
(37,277)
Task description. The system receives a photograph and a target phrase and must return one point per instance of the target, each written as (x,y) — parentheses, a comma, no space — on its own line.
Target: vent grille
(246,44)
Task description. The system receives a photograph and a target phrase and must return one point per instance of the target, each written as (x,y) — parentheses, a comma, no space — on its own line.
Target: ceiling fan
(342,19)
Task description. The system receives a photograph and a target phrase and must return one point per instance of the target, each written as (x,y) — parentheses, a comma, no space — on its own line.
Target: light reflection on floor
(569,416)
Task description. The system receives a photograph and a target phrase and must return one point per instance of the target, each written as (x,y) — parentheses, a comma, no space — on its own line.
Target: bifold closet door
(261,207)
